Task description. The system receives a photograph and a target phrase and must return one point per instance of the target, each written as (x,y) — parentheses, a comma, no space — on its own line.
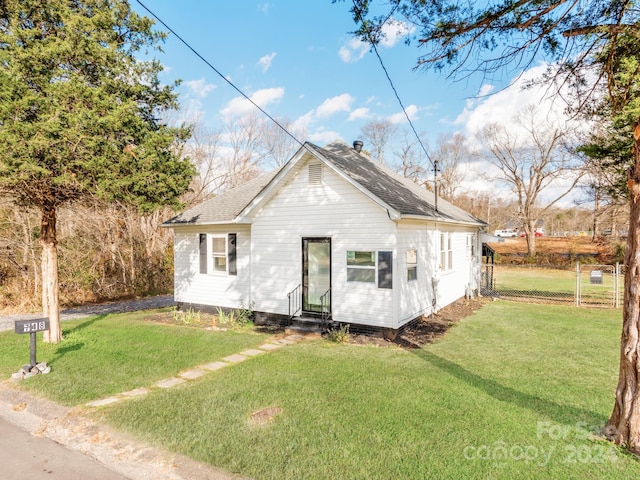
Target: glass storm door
(316,273)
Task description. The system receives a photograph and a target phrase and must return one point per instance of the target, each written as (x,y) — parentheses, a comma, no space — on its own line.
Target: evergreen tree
(79,116)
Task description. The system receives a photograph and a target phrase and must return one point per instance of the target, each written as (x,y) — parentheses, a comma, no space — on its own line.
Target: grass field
(104,355)
(515,391)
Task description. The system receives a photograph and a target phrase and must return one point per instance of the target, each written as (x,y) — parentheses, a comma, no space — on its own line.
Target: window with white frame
(471,246)
(361,266)
(412,265)
(218,253)
(446,251)
(370,266)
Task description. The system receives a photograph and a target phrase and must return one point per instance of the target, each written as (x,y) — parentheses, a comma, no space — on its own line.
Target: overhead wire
(246,97)
(434,163)
(212,67)
(404,110)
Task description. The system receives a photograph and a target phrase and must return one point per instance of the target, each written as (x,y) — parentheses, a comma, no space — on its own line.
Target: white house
(331,233)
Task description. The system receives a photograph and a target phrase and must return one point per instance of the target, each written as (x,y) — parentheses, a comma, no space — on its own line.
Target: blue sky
(298,60)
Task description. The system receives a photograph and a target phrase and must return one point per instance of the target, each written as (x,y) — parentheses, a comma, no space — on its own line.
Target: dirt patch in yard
(428,328)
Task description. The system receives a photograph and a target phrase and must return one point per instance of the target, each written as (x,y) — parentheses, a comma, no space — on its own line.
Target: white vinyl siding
(453,282)
(221,290)
(266,257)
(336,210)
(415,296)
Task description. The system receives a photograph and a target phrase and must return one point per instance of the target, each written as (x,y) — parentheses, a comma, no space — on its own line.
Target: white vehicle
(510,232)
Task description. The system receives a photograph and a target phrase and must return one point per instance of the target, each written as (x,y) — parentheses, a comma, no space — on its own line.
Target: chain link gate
(585,285)
(598,285)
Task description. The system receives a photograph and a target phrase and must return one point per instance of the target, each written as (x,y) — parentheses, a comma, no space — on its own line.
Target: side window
(446,251)
(412,265)
(361,266)
(217,253)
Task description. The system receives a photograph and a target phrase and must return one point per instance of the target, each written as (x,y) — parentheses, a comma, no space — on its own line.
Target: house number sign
(31,327)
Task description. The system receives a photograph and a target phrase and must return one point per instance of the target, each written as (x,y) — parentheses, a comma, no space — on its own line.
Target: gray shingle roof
(399,193)
(224,207)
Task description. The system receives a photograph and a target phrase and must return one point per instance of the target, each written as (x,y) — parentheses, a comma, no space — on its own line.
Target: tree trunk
(50,300)
(530,237)
(596,208)
(623,426)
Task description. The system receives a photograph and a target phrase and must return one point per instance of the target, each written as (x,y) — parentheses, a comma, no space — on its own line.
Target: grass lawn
(109,354)
(514,391)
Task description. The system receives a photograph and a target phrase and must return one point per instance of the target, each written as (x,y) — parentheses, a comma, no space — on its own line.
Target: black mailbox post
(32,327)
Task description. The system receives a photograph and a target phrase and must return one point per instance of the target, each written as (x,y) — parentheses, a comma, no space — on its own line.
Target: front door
(316,274)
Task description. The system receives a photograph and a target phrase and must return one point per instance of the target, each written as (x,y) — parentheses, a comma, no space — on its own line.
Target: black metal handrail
(325,310)
(295,302)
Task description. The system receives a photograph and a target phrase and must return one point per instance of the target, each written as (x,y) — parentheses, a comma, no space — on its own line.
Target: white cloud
(500,107)
(360,113)
(265,62)
(199,88)
(303,122)
(340,103)
(325,136)
(263,98)
(393,31)
(353,51)
(264,8)
(400,117)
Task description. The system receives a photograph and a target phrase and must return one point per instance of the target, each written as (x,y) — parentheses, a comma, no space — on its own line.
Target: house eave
(428,218)
(234,221)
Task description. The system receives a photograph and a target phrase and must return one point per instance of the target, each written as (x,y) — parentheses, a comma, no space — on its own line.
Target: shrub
(340,334)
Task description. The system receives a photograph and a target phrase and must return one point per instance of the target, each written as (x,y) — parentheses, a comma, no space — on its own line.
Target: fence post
(577,284)
(617,285)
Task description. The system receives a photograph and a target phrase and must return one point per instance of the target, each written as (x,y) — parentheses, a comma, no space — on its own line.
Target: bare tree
(203,149)
(411,163)
(530,159)
(240,155)
(377,133)
(278,146)
(450,154)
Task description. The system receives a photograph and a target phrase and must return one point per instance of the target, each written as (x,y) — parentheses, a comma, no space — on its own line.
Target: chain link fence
(584,285)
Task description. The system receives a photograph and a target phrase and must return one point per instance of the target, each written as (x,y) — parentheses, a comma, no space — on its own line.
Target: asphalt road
(24,456)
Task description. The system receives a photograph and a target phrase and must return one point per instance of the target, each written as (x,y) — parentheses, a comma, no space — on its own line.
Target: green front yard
(515,391)
(104,355)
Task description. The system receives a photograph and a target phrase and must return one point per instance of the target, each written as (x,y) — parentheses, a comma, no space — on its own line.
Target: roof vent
(357,145)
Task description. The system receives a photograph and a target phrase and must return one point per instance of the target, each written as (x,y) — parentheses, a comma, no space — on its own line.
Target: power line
(218,72)
(372,42)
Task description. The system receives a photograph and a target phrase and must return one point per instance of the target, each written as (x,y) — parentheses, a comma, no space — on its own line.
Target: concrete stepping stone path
(197,372)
